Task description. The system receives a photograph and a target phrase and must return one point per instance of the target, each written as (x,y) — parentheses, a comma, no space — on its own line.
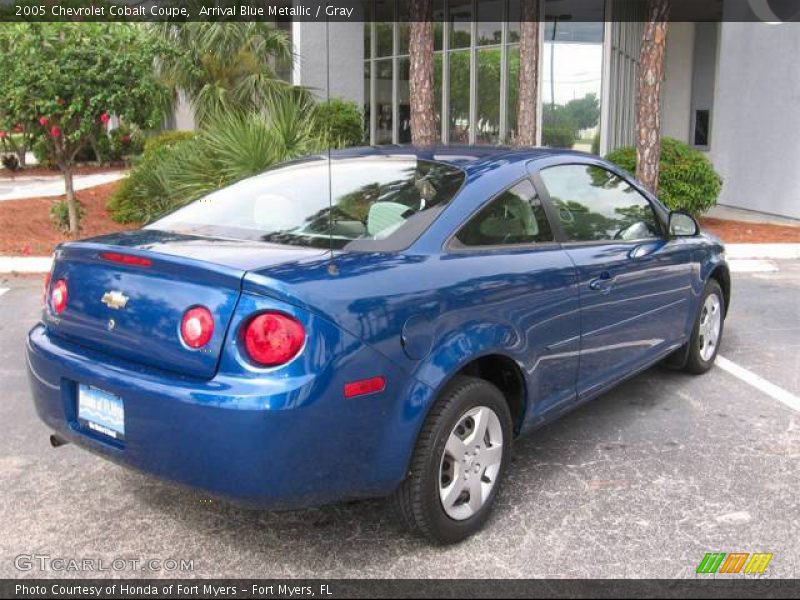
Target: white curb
(752,265)
(774,251)
(23,188)
(25,264)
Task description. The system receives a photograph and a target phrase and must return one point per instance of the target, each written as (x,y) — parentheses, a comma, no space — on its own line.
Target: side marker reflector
(364,386)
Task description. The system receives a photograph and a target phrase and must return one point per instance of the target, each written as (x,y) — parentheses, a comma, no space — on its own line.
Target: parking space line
(3,290)
(758,382)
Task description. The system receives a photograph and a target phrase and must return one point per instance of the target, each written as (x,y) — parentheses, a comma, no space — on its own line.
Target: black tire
(695,363)
(417,499)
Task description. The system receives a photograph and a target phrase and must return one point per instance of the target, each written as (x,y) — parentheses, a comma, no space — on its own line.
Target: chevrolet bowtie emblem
(114,299)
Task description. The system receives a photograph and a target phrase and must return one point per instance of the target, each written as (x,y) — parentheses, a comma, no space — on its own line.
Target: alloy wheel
(470,463)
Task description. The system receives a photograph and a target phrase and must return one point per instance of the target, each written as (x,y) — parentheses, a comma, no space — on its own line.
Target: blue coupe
(377,322)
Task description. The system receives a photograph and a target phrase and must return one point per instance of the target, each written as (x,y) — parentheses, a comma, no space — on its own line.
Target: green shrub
(687,179)
(42,152)
(10,161)
(59,214)
(166,138)
(125,142)
(143,195)
(559,128)
(230,147)
(596,144)
(340,121)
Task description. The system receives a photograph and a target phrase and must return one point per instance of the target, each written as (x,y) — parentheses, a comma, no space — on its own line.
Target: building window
(474,62)
(487,125)
(476,72)
(384,95)
(572,65)
(404,104)
(701,129)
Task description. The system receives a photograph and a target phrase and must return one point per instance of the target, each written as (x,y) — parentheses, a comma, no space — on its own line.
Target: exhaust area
(56,440)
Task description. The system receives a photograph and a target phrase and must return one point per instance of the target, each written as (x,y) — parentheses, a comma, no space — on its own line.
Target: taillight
(197,327)
(126,259)
(59,296)
(272,339)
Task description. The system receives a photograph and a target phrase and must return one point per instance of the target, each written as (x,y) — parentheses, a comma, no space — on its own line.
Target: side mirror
(682,224)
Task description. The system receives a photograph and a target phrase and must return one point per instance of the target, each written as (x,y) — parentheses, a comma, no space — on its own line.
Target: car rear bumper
(300,444)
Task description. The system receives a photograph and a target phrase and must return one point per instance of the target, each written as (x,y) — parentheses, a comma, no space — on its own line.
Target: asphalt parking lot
(642,482)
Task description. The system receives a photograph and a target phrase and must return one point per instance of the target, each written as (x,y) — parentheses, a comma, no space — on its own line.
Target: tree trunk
(420,49)
(528,74)
(72,205)
(651,74)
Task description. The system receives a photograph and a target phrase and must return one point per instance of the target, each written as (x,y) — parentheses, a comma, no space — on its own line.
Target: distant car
(382,323)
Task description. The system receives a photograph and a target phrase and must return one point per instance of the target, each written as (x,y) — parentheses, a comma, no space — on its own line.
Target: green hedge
(340,121)
(166,138)
(687,179)
(143,196)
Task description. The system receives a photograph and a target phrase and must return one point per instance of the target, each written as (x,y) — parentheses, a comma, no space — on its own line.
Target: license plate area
(101,412)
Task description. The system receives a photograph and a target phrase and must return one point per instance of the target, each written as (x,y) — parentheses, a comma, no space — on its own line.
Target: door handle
(603,283)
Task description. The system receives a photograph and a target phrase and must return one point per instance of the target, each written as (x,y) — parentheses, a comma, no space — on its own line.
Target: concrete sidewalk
(731,213)
(39,186)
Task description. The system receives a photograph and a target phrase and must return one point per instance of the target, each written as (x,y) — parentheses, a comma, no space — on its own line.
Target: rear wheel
(707,332)
(458,463)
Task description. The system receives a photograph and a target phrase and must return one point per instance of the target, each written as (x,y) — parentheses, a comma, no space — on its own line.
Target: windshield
(373,199)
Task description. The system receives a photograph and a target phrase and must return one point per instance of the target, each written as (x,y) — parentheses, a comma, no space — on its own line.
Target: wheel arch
(722,275)
(505,374)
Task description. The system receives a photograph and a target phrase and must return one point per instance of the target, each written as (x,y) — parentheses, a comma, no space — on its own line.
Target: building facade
(730,90)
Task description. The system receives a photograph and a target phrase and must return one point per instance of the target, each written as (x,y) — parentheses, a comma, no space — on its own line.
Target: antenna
(328,141)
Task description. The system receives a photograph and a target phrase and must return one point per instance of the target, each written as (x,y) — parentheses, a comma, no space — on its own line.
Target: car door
(526,280)
(634,283)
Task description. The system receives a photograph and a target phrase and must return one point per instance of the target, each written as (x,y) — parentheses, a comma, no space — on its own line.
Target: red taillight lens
(59,296)
(126,259)
(273,339)
(197,327)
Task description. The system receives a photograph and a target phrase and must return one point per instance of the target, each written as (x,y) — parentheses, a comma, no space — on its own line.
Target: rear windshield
(374,200)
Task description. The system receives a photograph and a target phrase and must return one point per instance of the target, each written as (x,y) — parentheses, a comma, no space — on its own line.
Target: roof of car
(466,157)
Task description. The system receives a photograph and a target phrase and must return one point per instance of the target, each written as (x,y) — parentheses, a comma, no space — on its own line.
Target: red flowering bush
(101,69)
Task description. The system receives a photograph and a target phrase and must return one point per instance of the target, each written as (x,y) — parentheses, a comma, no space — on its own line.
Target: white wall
(346,60)
(183,114)
(676,91)
(755,131)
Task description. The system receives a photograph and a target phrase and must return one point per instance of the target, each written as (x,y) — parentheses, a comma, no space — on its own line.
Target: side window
(594,204)
(515,217)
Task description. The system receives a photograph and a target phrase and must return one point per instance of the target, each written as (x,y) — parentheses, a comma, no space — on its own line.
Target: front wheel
(707,332)
(458,463)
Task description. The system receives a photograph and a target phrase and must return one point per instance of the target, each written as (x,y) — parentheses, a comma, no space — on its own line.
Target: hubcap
(710,324)
(470,463)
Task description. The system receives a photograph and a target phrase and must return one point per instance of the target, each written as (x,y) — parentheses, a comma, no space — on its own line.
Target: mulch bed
(741,232)
(44,172)
(26,228)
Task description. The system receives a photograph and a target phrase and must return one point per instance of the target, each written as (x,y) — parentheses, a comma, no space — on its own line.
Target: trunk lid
(184,271)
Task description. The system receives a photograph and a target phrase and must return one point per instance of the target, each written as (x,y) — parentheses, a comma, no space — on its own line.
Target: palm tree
(651,73)
(420,50)
(223,66)
(528,74)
